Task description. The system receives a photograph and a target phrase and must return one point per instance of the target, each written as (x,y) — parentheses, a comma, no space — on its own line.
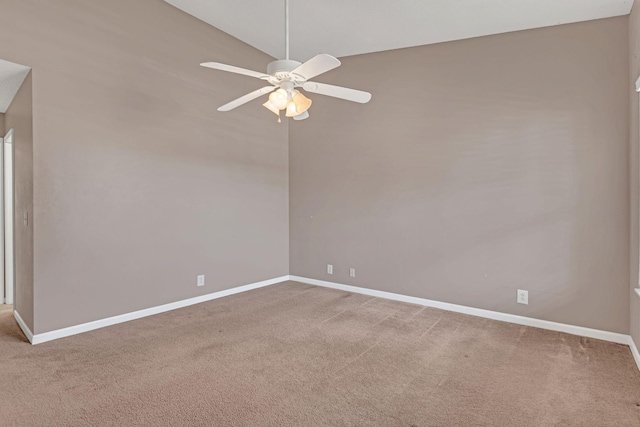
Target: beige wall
(19,117)
(139,183)
(480,167)
(1,125)
(634,73)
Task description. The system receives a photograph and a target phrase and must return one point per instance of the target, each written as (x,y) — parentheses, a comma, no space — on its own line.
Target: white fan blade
(248,97)
(301,116)
(338,92)
(232,69)
(317,65)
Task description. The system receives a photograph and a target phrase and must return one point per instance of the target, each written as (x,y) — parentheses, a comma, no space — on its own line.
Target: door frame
(8,220)
(2,281)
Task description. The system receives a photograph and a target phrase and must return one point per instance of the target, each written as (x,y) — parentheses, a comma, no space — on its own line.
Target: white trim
(637,291)
(638,85)
(634,351)
(25,329)
(8,202)
(90,326)
(3,292)
(504,317)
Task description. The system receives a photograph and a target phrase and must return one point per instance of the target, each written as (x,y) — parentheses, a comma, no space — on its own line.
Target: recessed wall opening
(7,267)
(16,182)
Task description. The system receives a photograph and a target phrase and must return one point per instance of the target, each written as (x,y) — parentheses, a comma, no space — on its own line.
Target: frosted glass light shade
(279,99)
(298,105)
(302,103)
(268,105)
(291,109)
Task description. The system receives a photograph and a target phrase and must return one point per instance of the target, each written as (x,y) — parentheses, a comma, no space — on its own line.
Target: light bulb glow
(279,99)
(291,109)
(302,103)
(298,105)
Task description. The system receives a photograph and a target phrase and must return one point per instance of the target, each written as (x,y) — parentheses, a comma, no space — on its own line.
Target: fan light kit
(284,76)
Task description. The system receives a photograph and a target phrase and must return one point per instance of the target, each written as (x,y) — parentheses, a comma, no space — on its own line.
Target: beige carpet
(5,307)
(298,355)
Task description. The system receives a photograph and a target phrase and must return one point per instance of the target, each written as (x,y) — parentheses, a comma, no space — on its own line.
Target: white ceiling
(350,27)
(11,78)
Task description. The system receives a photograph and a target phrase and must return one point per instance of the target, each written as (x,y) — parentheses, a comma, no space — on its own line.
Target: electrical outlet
(329,269)
(523,297)
(352,272)
(201,280)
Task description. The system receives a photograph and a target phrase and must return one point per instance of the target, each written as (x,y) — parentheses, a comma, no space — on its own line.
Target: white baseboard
(90,326)
(634,351)
(504,317)
(25,329)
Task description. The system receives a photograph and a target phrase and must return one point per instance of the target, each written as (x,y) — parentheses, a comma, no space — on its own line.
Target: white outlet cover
(352,272)
(522,297)
(329,269)
(201,280)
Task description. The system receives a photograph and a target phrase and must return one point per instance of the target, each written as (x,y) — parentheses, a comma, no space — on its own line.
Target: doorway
(16,194)
(7,259)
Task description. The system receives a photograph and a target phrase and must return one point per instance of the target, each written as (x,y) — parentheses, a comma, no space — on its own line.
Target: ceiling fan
(284,76)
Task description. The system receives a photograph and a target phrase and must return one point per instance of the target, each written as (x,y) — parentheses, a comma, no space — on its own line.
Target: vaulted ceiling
(351,27)
(11,78)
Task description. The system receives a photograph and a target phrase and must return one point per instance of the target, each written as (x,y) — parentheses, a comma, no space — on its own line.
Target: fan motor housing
(282,67)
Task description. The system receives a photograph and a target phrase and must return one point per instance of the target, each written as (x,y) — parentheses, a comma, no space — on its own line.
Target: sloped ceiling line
(11,78)
(343,28)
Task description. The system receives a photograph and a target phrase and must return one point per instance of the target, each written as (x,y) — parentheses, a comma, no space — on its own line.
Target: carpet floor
(298,355)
